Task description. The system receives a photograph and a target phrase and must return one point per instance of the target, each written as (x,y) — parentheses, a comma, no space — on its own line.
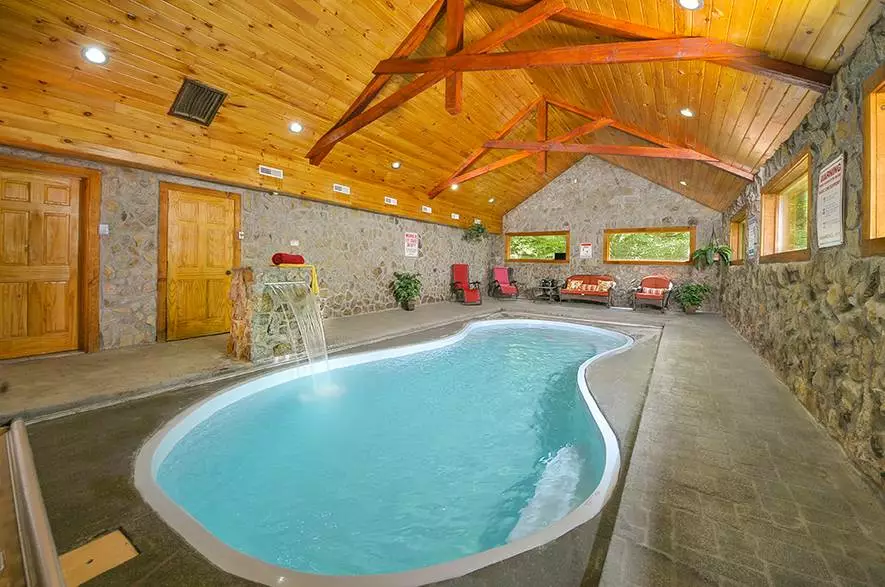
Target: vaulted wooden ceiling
(306,61)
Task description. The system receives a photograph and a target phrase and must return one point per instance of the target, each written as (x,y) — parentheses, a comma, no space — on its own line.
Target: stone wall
(594,195)
(821,323)
(356,252)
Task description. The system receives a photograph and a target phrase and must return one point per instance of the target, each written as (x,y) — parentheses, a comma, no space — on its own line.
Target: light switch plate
(293,243)
(241,235)
(104,229)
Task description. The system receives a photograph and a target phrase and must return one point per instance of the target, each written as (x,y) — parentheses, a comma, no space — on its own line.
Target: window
(537,247)
(650,246)
(873,232)
(737,237)
(786,213)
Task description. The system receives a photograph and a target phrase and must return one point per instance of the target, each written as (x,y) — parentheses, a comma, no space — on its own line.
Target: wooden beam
(646,136)
(412,41)
(690,48)
(454,43)
(471,159)
(627,150)
(811,79)
(541,134)
(582,130)
(512,28)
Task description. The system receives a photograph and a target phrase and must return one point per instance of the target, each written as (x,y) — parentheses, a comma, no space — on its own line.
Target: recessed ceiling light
(295,127)
(455,186)
(683,182)
(491,200)
(691,4)
(94,55)
(687,112)
(396,164)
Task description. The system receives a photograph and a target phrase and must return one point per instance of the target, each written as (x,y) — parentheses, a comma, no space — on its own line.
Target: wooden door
(39,229)
(202,248)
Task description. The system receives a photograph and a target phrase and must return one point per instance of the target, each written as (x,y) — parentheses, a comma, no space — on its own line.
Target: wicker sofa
(591,288)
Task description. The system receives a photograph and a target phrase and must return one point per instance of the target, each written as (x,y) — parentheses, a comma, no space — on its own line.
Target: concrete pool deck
(730,482)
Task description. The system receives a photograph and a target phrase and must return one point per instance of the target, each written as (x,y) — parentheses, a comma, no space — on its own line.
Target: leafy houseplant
(712,254)
(476,232)
(692,295)
(406,289)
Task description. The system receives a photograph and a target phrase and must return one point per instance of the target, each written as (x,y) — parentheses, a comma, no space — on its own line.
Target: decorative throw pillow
(588,287)
(604,286)
(574,284)
(653,291)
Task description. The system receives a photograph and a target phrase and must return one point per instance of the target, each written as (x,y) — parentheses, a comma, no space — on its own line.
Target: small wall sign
(586,250)
(411,244)
(830,205)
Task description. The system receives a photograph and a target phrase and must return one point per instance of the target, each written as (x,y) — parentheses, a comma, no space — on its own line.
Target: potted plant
(406,289)
(714,253)
(692,296)
(476,232)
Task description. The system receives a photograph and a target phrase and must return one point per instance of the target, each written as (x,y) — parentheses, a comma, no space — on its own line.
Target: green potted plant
(692,296)
(406,289)
(476,232)
(712,254)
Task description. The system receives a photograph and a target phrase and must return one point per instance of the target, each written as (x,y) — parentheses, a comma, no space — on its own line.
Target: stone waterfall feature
(275,316)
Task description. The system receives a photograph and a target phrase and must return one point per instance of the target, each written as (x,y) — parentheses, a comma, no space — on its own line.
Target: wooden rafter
(628,150)
(412,41)
(647,136)
(471,159)
(509,30)
(791,73)
(541,134)
(690,48)
(454,43)
(462,176)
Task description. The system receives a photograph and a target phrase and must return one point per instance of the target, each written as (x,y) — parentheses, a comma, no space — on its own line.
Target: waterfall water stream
(301,307)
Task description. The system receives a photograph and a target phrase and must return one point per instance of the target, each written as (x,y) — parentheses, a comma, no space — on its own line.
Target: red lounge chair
(465,291)
(653,290)
(587,287)
(502,287)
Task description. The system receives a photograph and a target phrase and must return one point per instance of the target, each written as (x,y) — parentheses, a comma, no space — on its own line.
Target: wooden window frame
(89,244)
(869,245)
(163,242)
(692,230)
(740,252)
(786,177)
(565,233)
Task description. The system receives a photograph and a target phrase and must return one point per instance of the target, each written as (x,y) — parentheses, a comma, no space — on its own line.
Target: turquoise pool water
(400,463)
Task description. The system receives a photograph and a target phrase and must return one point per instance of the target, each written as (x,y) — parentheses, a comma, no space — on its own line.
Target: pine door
(201,251)
(39,230)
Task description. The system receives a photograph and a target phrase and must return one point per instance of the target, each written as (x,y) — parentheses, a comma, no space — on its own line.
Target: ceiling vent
(197,102)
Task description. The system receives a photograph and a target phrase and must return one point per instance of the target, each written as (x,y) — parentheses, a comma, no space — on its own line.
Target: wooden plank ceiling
(306,61)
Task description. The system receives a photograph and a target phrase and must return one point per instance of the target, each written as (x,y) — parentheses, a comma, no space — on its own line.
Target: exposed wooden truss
(513,28)
(561,143)
(652,45)
(791,73)
(598,54)
(629,150)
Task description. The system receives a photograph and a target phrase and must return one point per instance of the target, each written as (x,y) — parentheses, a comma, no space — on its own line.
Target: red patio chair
(502,287)
(465,291)
(653,290)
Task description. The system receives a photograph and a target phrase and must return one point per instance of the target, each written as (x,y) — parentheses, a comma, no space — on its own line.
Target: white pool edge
(161,443)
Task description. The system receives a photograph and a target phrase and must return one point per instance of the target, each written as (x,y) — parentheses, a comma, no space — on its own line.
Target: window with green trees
(651,246)
(540,247)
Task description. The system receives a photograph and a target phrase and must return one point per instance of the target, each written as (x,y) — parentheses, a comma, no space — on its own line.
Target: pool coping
(161,443)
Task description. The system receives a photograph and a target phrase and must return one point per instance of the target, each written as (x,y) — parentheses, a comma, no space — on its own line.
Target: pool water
(400,463)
